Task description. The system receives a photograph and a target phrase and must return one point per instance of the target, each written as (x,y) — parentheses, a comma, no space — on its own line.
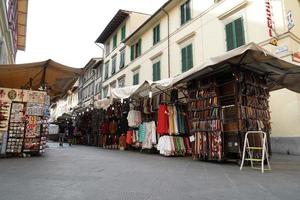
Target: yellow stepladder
(250,149)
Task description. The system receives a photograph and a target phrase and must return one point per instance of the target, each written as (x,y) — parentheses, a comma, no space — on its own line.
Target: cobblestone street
(82,172)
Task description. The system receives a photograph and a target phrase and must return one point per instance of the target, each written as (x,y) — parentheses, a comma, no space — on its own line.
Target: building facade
(123,24)
(89,83)
(183,34)
(13,21)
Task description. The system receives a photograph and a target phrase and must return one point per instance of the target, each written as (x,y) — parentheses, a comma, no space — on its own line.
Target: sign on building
(290,20)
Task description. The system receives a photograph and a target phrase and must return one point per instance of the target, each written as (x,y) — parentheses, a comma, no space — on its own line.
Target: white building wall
(6,44)
(206,31)
(132,23)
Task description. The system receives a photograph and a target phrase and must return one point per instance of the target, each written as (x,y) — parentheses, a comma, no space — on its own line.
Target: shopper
(70,134)
(61,136)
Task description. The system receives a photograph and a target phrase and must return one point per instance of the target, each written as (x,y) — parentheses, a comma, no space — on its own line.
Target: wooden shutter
(239,32)
(140,47)
(188,11)
(136,79)
(183,59)
(229,36)
(154,72)
(115,41)
(189,56)
(132,53)
(158,71)
(182,13)
(154,36)
(123,33)
(158,34)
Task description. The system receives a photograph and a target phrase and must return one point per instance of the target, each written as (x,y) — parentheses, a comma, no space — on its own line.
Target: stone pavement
(80,172)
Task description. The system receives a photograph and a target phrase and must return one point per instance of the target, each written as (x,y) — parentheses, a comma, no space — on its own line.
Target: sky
(66,30)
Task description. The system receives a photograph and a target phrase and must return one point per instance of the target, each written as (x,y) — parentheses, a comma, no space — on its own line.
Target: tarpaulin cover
(57,77)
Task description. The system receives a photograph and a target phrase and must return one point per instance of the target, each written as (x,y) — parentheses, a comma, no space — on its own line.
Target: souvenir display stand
(23,121)
(222,108)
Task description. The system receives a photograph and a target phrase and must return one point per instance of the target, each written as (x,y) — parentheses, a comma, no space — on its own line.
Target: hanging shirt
(163,120)
(147,144)
(134,118)
(153,131)
(171,120)
(142,132)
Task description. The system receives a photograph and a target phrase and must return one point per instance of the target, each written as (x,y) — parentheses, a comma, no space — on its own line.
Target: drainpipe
(101,47)
(169,67)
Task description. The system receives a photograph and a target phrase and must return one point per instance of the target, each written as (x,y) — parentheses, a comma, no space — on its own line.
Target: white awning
(280,73)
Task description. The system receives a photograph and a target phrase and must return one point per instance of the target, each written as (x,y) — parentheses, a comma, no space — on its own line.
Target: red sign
(269,18)
(296,57)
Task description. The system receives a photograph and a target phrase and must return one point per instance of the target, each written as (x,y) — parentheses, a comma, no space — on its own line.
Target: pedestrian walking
(70,134)
(61,136)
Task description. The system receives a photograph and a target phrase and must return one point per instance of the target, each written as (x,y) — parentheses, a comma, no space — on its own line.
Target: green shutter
(115,41)
(188,11)
(158,71)
(154,36)
(183,59)
(229,36)
(189,56)
(123,33)
(132,53)
(158,34)
(182,13)
(122,59)
(140,47)
(136,79)
(154,72)
(239,30)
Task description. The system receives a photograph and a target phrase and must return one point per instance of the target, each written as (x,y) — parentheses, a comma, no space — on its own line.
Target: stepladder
(255,150)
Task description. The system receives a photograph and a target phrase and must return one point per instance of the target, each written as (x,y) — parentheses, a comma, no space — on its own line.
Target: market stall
(215,103)
(26,91)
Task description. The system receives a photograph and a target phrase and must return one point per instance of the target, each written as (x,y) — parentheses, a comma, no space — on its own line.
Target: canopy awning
(126,92)
(57,78)
(280,73)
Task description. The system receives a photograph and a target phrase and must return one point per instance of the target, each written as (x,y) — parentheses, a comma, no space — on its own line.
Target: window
(121,82)
(113,65)
(185,11)
(92,89)
(156,34)
(99,71)
(136,50)
(115,41)
(106,70)
(105,91)
(96,88)
(123,33)
(107,48)
(156,71)
(187,57)
(122,59)
(136,77)
(235,36)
